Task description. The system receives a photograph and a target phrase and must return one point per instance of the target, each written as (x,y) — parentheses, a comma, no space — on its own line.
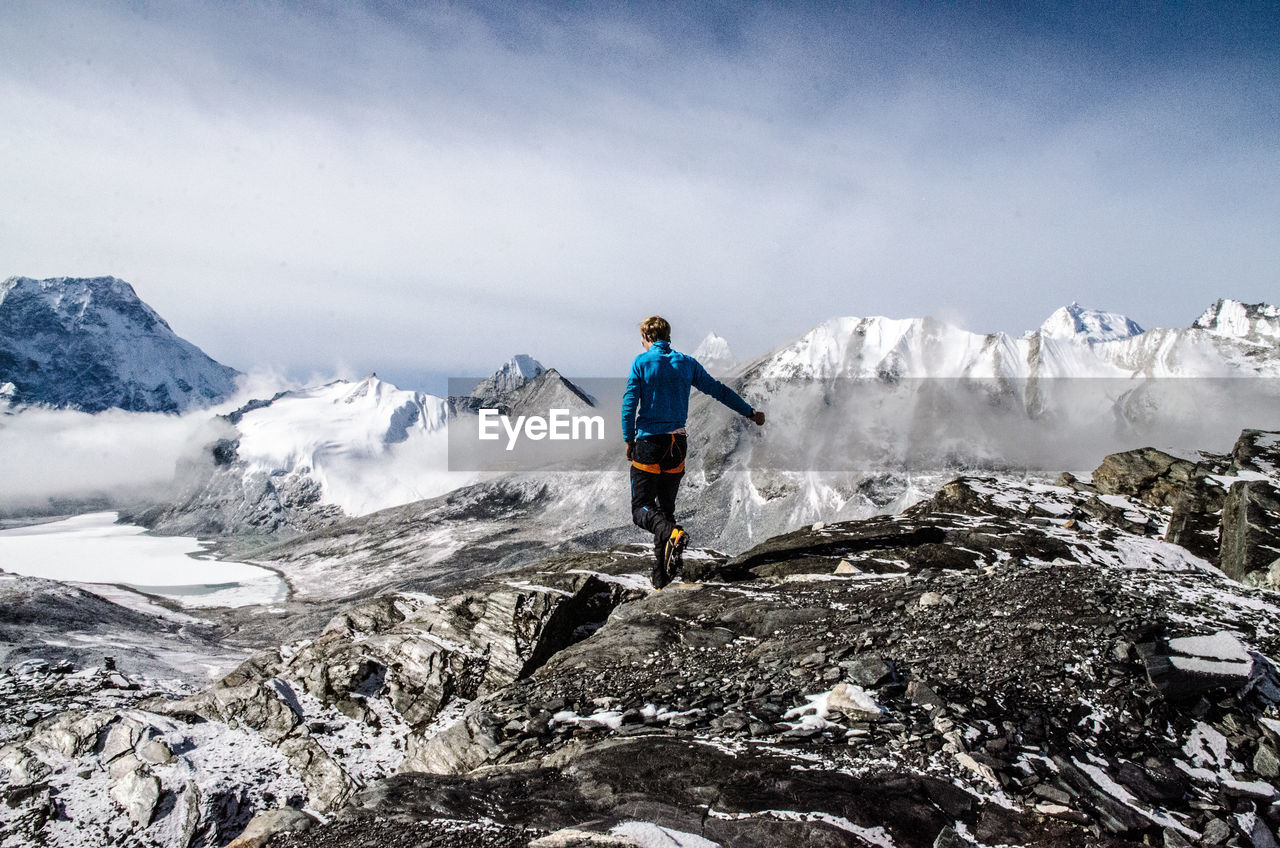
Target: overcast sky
(428,190)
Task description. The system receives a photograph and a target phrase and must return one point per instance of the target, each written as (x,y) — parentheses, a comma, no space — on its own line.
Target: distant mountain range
(850,401)
(1229,339)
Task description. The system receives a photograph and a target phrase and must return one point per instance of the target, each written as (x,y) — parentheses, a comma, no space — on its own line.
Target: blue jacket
(659,386)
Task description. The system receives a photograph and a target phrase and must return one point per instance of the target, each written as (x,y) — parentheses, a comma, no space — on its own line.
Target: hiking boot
(658,575)
(673,556)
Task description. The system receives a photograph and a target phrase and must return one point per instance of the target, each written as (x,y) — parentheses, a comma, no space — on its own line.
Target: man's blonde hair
(655,329)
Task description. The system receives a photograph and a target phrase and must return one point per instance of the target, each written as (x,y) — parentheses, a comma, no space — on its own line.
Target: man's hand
(758,417)
(629,446)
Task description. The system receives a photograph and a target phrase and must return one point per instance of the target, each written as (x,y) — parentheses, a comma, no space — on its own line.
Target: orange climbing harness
(675,452)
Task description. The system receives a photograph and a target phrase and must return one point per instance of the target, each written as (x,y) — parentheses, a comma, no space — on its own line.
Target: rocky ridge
(1225,508)
(1007,662)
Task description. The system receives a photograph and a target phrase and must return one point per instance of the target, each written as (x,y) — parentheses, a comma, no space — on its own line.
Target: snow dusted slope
(92,344)
(309,457)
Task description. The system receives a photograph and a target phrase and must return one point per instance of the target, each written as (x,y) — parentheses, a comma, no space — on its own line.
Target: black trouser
(653,494)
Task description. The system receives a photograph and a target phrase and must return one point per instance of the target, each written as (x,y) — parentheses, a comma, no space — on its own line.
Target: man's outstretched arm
(705,383)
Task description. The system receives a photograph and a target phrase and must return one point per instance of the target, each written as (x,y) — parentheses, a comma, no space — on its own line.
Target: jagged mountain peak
(73,286)
(1074,342)
(91,343)
(513,374)
(877,346)
(1088,325)
(548,390)
(72,297)
(1240,320)
(370,386)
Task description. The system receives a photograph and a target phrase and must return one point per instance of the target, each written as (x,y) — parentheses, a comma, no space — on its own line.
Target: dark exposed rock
(219,496)
(923,694)
(1256,450)
(867,672)
(1154,783)
(1180,675)
(691,788)
(1196,517)
(1114,815)
(1233,523)
(263,829)
(1152,476)
(1265,762)
(1251,532)
(938,534)
(1069,481)
(834,541)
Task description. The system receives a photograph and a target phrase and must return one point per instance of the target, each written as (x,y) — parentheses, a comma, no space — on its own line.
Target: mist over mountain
(714,354)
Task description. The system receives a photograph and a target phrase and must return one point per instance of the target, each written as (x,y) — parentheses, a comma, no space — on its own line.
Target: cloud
(116,457)
(57,455)
(438,188)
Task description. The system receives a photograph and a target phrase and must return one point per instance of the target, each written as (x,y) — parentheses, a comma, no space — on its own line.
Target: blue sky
(429,188)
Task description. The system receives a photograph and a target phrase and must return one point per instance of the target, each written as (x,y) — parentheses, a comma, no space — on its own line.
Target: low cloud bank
(59,460)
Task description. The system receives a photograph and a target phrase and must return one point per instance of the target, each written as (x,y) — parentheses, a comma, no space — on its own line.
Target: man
(654,408)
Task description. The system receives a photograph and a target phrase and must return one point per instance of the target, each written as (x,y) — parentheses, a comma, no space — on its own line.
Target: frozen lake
(94,549)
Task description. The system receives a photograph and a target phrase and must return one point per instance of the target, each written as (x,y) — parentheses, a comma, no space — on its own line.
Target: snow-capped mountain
(1088,325)
(549,390)
(714,354)
(1229,340)
(1258,322)
(308,456)
(365,443)
(864,413)
(91,344)
(340,419)
(522,385)
(514,373)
